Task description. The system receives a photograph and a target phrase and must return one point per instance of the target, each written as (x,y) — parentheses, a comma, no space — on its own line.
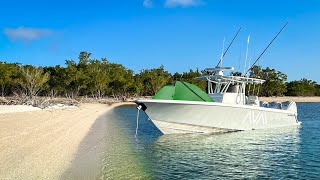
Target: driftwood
(40,102)
(45,102)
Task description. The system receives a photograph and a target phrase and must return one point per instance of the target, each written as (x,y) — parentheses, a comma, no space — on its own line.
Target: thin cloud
(147,3)
(182,3)
(26,34)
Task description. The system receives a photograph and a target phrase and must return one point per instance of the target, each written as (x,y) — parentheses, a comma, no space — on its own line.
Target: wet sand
(107,151)
(43,144)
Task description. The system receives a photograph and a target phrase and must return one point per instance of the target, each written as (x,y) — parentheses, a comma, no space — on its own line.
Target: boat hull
(172,116)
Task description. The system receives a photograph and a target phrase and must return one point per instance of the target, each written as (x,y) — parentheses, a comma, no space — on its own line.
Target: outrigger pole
(266,49)
(228,48)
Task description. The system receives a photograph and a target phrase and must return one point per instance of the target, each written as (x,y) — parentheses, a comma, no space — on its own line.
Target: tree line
(98,78)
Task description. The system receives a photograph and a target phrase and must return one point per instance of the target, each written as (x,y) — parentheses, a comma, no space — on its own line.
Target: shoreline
(291,98)
(42,144)
(96,154)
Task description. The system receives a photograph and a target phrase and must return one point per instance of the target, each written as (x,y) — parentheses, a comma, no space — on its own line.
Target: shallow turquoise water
(286,153)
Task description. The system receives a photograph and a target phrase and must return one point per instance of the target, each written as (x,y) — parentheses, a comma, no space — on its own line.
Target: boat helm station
(233,89)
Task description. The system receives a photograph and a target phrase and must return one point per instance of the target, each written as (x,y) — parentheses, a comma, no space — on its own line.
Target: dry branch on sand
(40,102)
(45,102)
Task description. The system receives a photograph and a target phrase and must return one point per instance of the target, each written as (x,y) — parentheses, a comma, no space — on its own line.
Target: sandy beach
(291,98)
(41,144)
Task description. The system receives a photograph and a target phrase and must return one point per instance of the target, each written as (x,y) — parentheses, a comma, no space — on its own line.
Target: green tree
(98,78)
(75,76)
(9,74)
(121,80)
(303,87)
(317,90)
(151,80)
(189,77)
(275,84)
(56,85)
(84,58)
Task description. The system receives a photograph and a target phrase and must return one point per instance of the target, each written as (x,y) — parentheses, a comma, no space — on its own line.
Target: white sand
(25,108)
(42,144)
(16,108)
(291,98)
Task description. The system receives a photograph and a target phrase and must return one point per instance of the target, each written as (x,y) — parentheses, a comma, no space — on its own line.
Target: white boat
(231,109)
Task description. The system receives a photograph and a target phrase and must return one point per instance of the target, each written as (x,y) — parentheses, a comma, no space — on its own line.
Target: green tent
(179,90)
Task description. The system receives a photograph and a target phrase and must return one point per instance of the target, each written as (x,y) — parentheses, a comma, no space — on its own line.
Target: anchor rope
(137,126)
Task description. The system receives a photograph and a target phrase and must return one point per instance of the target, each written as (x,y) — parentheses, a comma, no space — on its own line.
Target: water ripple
(286,153)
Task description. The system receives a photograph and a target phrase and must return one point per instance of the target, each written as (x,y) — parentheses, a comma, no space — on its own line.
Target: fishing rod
(228,48)
(266,49)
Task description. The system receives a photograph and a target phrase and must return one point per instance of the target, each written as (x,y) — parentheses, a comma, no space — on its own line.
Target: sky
(178,34)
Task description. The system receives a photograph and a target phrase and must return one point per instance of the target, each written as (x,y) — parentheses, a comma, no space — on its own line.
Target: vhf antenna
(247,51)
(266,49)
(228,48)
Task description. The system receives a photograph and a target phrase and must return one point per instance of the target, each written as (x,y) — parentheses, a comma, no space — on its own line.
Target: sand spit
(291,98)
(42,144)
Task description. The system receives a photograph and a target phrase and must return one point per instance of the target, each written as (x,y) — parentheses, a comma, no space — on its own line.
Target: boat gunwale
(212,104)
